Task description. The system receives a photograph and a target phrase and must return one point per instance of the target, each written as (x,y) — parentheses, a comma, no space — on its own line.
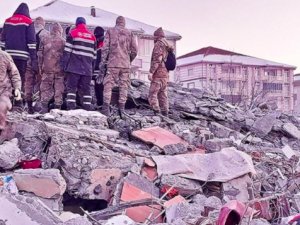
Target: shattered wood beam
(113,209)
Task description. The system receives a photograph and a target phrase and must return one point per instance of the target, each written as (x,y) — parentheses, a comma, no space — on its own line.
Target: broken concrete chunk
(174,149)
(43,183)
(288,151)
(264,125)
(189,213)
(120,220)
(185,187)
(10,154)
(213,202)
(259,222)
(238,189)
(292,130)
(220,131)
(78,221)
(217,144)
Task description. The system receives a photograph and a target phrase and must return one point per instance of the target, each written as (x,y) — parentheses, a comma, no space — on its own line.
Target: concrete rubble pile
(207,163)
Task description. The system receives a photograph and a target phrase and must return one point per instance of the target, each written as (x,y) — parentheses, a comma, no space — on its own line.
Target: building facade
(296,85)
(238,78)
(66,14)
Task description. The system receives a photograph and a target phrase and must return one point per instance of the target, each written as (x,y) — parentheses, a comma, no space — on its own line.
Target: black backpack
(171,61)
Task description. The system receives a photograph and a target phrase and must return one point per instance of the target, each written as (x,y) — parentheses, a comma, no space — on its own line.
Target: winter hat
(40,21)
(99,32)
(121,21)
(57,28)
(159,33)
(80,20)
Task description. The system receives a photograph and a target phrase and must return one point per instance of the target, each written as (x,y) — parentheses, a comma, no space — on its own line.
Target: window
(272,87)
(191,85)
(228,69)
(190,72)
(270,72)
(229,84)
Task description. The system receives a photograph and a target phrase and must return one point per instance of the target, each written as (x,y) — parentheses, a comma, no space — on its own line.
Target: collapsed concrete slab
(43,183)
(17,209)
(220,166)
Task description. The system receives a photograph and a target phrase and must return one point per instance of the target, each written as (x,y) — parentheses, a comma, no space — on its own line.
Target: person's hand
(150,76)
(17,94)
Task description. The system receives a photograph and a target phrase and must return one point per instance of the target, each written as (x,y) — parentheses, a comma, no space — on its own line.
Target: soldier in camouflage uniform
(10,79)
(119,50)
(159,75)
(52,84)
(33,78)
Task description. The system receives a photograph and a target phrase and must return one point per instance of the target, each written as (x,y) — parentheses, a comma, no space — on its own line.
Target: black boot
(30,107)
(71,101)
(106,109)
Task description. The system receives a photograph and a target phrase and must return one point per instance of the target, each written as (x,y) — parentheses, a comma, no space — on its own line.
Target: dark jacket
(18,35)
(80,51)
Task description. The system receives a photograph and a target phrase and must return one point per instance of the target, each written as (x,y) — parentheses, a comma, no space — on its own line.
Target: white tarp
(221,166)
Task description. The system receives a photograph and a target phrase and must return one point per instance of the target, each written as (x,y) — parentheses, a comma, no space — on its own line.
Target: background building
(297,93)
(236,77)
(66,14)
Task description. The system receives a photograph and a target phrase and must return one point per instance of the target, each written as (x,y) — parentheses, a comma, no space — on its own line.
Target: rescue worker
(51,52)
(78,59)
(33,78)
(119,50)
(10,80)
(18,39)
(97,89)
(159,75)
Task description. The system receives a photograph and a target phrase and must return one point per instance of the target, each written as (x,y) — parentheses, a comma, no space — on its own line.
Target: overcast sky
(266,29)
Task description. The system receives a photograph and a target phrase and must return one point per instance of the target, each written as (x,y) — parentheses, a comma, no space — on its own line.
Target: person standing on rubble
(159,75)
(10,80)
(97,89)
(18,39)
(119,50)
(32,77)
(78,59)
(51,51)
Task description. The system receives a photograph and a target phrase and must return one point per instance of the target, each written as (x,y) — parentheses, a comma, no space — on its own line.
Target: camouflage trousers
(52,85)
(5,105)
(32,83)
(158,94)
(116,77)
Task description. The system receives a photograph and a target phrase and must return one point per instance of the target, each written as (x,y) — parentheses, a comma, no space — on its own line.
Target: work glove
(35,65)
(17,94)
(150,76)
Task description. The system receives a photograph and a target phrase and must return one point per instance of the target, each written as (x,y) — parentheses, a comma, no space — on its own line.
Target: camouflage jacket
(120,48)
(159,55)
(51,52)
(9,75)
